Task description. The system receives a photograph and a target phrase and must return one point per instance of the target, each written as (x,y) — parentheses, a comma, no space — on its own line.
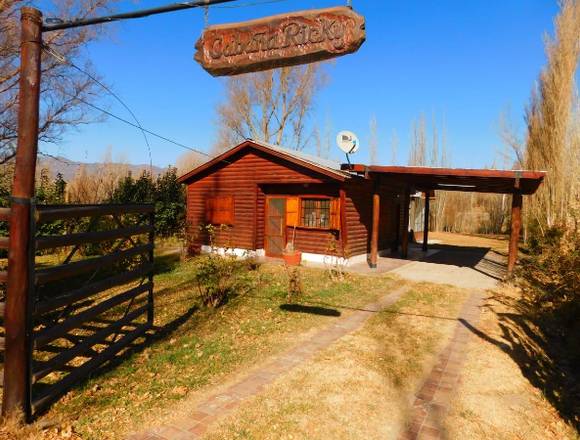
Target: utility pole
(21,246)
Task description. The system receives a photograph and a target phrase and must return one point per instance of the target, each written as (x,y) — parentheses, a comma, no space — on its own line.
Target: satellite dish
(347,142)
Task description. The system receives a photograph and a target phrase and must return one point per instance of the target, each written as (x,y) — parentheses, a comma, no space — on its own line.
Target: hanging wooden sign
(281,40)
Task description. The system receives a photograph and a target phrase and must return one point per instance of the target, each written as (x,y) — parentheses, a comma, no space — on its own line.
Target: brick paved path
(216,406)
(431,401)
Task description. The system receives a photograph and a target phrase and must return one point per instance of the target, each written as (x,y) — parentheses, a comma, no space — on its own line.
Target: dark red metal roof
(454,179)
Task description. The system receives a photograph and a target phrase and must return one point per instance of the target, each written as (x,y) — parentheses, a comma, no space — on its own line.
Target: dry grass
(360,386)
(495,399)
(496,242)
(198,348)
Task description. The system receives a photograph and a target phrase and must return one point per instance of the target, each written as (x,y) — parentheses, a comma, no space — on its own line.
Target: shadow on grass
(542,360)
(151,335)
(313,310)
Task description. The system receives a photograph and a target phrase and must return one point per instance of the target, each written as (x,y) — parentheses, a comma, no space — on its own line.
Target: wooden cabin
(260,197)
(269,196)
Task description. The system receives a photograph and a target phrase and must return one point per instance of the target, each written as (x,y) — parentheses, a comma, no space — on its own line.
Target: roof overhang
(223,159)
(454,179)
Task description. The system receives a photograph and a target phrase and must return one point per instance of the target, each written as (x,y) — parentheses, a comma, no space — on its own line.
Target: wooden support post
(375,228)
(516,224)
(405,224)
(20,270)
(426,222)
(343,225)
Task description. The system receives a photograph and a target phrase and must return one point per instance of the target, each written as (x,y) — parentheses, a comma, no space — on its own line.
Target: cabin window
(315,213)
(219,210)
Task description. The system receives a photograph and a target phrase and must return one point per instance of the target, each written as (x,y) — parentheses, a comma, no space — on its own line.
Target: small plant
(336,269)
(291,255)
(295,289)
(220,277)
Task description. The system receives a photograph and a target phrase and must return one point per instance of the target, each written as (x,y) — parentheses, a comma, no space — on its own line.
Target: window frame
(212,211)
(301,212)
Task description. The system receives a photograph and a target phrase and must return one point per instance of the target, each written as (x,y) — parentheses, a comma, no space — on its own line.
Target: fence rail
(92,295)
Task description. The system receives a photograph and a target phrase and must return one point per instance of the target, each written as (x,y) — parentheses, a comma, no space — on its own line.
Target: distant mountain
(69,168)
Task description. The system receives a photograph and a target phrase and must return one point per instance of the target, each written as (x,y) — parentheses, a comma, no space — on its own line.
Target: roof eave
(337,175)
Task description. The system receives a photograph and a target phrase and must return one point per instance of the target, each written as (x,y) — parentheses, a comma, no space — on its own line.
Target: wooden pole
(426,222)
(20,270)
(375,228)
(516,224)
(405,224)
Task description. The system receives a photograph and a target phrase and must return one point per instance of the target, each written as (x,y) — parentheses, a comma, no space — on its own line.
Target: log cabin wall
(316,241)
(245,176)
(359,216)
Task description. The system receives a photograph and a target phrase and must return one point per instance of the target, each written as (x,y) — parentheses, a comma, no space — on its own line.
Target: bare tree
(63,88)
(188,161)
(418,152)
(271,106)
(549,146)
(373,140)
(99,185)
(394,146)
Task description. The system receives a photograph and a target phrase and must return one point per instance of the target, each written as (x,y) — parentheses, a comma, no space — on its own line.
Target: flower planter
(292,259)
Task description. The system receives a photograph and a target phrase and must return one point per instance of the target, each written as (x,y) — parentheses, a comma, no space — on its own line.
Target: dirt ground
(494,399)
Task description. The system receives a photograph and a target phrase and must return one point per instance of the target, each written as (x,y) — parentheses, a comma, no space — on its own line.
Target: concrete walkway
(195,424)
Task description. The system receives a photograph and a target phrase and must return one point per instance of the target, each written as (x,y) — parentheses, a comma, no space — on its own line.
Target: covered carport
(411,179)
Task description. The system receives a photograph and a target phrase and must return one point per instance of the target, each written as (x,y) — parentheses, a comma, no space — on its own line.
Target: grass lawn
(196,346)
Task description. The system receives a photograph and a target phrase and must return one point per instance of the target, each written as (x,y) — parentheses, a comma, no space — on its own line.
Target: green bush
(219,278)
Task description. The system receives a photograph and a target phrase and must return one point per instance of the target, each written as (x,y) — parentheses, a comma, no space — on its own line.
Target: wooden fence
(92,292)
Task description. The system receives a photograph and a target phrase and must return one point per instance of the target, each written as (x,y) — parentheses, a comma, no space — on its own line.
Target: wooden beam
(516,224)
(405,224)
(17,356)
(375,228)
(61,212)
(426,222)
(343,223)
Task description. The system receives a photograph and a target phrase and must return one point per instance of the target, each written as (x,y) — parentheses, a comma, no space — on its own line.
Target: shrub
(219,277)
(295,289)
(550,278)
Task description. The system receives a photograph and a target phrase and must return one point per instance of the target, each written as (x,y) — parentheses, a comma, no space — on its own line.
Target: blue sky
(464,61)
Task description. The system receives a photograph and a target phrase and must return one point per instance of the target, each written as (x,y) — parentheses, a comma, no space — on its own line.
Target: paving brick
(199,430)
(173,433)
(429,433)
(186,423)
(198,415)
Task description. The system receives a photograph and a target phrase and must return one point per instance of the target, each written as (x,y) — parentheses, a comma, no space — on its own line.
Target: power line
(102,110)
(245,5)
(54,24)
(62,59)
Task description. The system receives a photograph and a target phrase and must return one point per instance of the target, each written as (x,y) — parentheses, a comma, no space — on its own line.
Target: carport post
(405,224)
(426,222)
(516,224)
(375,230)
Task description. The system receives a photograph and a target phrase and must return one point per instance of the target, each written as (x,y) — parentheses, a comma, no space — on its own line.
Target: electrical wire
(62,59)
(245,5)
(152,133)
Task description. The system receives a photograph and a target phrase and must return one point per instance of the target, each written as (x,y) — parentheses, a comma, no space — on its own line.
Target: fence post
(17,315)
(150,298)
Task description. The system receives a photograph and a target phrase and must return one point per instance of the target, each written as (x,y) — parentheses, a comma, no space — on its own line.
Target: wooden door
(275,237)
